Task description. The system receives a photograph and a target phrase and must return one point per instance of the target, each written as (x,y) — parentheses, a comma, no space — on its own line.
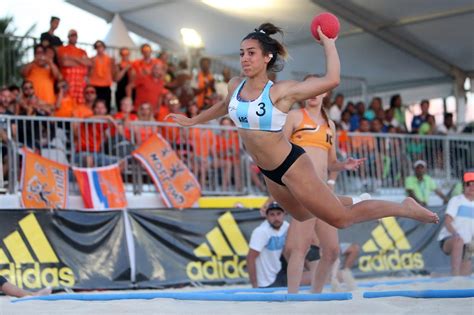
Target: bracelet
(331,182)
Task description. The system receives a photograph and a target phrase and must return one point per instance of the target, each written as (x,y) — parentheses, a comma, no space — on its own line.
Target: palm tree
(13,51)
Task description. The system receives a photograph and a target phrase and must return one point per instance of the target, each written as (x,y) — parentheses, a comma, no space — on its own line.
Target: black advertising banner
(64,249)
(195,245)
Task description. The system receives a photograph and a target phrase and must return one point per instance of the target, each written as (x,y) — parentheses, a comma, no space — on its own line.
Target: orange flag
(44,183)
(175,182)
(101,187)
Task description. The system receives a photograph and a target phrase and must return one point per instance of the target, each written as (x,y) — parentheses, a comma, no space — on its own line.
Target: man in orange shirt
(143,67)
(149,88)
(65,105)
(74,65)
(42,72)
(102,73)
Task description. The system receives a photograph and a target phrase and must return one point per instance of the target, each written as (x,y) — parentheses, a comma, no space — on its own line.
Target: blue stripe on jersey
(243,113)
(265,121)
(465,211)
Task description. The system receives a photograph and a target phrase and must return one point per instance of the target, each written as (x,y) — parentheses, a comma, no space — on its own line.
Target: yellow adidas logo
(29,246)
(388,239)
(225,245)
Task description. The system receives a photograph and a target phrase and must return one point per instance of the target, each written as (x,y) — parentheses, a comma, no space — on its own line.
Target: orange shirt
(227,146)
(202,79)
(73,51)
(91,136)
(101,73)
(82,111)
(120,117)
(66,109)
(143,68)
(171,134)
(161,113)
(310,134)
(362,142)
(43,82)
(149,90)
(202,141)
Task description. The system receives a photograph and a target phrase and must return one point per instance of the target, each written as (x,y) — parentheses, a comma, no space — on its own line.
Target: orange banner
(44,182)
(175,182)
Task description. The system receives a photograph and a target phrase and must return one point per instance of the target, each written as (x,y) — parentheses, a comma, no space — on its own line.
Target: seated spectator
(182,85)
(428,127)
(102,73)
(418,120)
(42,72)
(143,132)
(266,246)
(15,90)
(221,86)
(456,238)
(204,84)
(85,109)
(65,104)
(420,186)
(91,136)
(448,127)
(357,116)
(74,64)
(345,123)
(11,290)
(172,134)
(228,154)
(8,102)
(124,117)
(48,38)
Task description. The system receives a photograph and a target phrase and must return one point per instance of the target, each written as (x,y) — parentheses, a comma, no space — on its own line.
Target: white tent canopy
(392,45)
(118,34)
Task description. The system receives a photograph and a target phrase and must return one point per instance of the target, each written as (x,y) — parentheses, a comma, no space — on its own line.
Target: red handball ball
(329,25)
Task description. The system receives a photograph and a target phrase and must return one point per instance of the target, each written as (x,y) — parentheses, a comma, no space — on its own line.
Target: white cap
(419,162)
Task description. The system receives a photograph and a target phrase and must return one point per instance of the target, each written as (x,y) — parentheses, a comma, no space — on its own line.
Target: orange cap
(469,177)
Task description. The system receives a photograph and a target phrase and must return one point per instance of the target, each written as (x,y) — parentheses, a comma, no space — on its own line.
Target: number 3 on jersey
(261,109)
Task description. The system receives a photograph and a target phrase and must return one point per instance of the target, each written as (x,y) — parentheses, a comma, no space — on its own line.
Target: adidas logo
(31,261)
(388,249)
(225,249)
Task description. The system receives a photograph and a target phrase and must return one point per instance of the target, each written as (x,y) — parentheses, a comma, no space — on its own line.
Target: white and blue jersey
(461,210)
(258,114)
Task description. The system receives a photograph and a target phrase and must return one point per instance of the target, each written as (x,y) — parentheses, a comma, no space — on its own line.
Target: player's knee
(340,222)
(330,253)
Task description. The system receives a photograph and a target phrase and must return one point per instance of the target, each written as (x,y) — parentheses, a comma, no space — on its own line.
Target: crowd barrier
(156,248)
(216,155)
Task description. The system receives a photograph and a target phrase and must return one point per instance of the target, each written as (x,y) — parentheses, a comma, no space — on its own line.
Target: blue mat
(423,294)
(196,296)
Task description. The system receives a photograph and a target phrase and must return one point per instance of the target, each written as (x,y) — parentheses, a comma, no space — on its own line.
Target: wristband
(331,182)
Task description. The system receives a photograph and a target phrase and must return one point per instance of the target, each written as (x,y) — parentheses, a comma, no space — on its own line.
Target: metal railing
(215,154)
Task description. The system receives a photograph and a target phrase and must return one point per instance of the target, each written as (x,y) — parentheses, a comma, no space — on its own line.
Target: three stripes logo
(389,249)
(223,253)
(28,260)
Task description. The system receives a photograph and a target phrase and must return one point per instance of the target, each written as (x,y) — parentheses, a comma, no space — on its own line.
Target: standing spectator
(8,100)
(357,116)
(122,74)
(456,238)
(149,88)
(102,73)
(398,111)
(345,123)
(336,109)
(42,72)
(418,120)
(74,65)
(143,67)
(266,246)
(204,82)
(48,38)
(448,127)
(374,107)
(420,186)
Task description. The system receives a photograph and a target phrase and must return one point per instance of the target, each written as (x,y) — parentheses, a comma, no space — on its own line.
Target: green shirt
(421,189)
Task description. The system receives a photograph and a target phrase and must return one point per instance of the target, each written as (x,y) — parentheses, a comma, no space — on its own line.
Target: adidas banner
(62,249)
(196,245)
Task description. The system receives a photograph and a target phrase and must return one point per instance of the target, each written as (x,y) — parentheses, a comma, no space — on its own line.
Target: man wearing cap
(74,65)
(420,186)
(266,245)
(456,238)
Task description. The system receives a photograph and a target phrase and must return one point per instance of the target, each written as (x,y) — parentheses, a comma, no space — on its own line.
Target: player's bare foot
(45,291)
(418,212)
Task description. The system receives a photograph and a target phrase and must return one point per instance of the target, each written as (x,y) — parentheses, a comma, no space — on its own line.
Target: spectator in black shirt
(48,38)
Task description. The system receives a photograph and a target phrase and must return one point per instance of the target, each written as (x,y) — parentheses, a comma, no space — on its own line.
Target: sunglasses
(90,92)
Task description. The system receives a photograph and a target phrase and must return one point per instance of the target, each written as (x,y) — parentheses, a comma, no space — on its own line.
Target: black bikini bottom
(276,174)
